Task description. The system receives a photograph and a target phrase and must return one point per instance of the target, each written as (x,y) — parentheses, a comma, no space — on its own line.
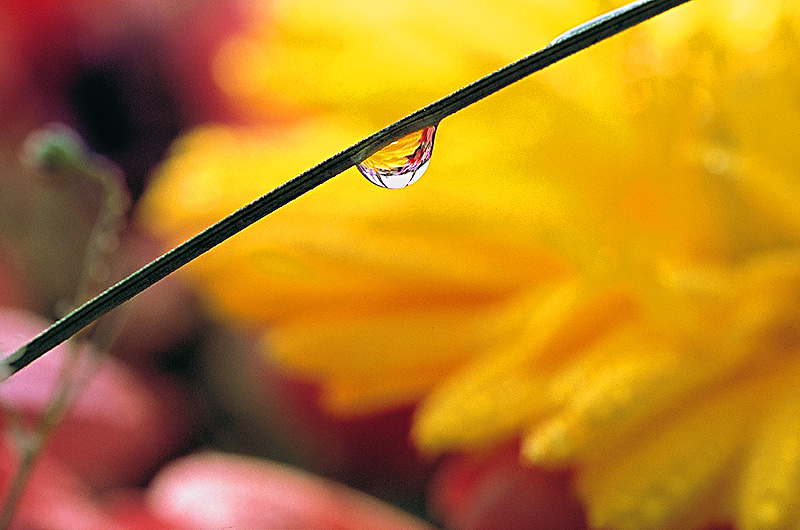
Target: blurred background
(586,314)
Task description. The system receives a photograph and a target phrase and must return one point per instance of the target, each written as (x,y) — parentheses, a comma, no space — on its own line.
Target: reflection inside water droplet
(402,162)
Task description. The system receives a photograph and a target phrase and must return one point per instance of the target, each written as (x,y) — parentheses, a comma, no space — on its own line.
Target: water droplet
(401,163)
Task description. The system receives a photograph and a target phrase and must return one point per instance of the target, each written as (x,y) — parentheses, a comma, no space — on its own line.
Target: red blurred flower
(493,491)
(128,75)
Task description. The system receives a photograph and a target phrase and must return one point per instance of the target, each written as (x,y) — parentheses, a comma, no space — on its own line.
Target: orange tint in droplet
(402,162)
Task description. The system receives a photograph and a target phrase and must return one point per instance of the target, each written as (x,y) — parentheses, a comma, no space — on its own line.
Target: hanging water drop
(401,163)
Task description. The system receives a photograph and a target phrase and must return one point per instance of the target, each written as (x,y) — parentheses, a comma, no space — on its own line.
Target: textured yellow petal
(633,376)
(367,343)
(770,494)
(670,470)
(608,394)
(498,394)
(480,409)
(735,312)
(473,408)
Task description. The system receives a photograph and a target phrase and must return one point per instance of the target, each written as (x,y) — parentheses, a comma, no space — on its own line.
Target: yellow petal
(769,498)
(381,60)
(659,479)
(606,395)
(495,396)
(389,358)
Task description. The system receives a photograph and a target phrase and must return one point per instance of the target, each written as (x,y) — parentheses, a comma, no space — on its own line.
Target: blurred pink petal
(54,498)
(129,511)
(120,430)
(214,490)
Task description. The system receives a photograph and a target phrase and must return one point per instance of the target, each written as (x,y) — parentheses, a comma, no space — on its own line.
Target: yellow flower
(602,261)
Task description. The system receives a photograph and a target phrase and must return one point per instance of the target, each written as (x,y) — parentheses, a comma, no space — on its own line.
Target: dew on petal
(402,162)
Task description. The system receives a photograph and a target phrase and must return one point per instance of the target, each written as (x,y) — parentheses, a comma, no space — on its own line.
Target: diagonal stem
(567,44)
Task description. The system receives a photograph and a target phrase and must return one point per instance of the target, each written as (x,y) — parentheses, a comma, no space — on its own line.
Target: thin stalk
(30,444)
(569,43)
(74,375)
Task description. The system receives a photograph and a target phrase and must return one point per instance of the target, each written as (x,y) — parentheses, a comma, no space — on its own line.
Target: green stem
(563,46)
(27,461)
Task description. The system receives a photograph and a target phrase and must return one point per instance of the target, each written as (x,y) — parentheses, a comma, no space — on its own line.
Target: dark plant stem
(567,44)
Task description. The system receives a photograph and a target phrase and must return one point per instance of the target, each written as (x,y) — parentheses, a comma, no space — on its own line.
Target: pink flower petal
(54,498)
(120,430)
(213,490)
